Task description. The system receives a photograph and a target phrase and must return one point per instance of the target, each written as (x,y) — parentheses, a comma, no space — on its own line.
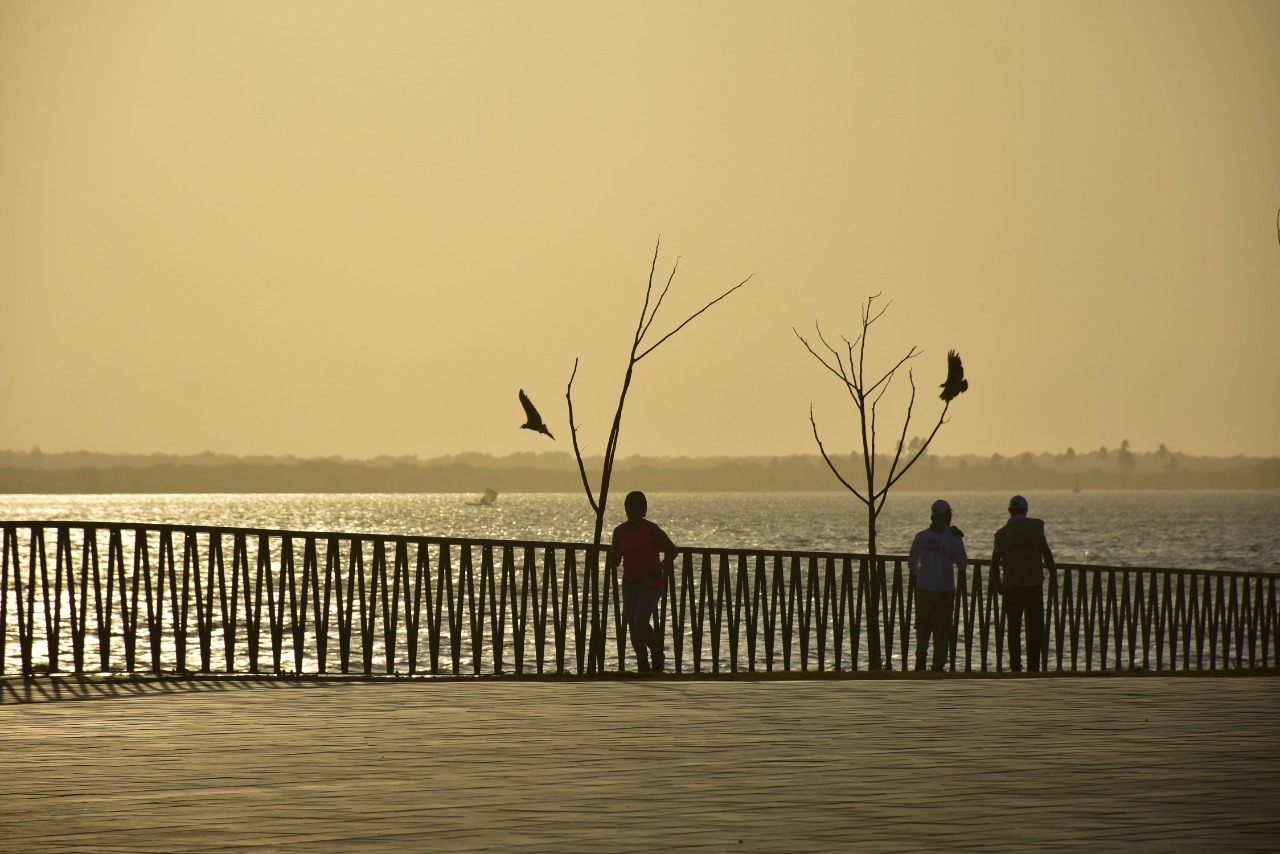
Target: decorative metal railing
(90,598)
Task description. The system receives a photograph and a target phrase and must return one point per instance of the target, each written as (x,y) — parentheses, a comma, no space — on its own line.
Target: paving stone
(896,764)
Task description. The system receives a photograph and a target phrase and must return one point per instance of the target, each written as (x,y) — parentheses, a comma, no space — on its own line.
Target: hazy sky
(323,228)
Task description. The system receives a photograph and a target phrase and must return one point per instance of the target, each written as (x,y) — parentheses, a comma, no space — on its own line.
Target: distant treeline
(87,472)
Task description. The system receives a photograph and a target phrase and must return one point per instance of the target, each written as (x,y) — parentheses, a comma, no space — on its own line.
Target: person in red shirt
(644,551)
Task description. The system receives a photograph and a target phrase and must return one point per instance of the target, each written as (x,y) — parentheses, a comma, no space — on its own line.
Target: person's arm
(665,547)
(1047,554)
(960,554)
(613,557)
(995,570)
(913,556)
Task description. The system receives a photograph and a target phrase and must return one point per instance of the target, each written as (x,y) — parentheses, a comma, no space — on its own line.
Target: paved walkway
(895,764)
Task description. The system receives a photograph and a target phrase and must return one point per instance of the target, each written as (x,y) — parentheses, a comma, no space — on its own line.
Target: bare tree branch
(889,376)
(839,374)
(577,452)
(645,317)
(830,464)
(653,314)
(942,419)
(906,422)
(835,352)
(867,320)
(695,314)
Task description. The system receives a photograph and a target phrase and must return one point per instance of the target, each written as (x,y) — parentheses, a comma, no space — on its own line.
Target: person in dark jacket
(1022,552)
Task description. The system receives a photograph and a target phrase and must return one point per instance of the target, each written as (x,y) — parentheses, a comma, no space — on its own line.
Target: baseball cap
(1017,502)
(940,506)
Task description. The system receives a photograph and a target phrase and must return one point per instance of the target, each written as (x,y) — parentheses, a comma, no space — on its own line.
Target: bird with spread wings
(956,383)
(532,420)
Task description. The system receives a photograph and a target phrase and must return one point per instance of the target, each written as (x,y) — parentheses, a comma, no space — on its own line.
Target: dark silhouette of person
(936,552)
(644,551)
(1022,551)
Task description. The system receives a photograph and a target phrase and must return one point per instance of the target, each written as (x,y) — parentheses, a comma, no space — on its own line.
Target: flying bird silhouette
(532,420)
(956,382)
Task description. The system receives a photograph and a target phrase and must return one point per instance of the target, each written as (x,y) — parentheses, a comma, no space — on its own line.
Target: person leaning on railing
(644,550)
(936,552)
(1023,551)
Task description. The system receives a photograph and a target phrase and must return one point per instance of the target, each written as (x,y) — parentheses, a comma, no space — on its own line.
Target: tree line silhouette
(554,471)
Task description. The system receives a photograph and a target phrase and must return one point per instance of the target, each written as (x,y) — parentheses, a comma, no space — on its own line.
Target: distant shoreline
(90,473)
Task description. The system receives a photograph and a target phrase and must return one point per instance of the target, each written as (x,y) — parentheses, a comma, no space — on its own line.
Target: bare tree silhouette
(599,500)
(849,366)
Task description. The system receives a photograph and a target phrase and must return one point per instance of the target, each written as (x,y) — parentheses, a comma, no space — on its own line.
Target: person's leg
(644,640)
(945,601)
(924,626)
(646,611)
(1037,640)
(630,612)
(1013,614)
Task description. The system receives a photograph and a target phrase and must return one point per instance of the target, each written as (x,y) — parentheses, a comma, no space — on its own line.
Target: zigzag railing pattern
(87,598)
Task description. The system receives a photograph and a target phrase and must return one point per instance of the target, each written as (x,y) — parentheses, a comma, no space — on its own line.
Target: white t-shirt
(933,554)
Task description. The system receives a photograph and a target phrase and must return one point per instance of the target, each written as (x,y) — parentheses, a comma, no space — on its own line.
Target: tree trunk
(876,579)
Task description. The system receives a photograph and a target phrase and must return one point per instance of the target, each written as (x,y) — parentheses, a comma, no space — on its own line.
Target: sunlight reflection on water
(1185,529)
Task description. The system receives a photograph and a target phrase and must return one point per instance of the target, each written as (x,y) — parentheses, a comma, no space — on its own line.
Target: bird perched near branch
(956,382)
(532,420)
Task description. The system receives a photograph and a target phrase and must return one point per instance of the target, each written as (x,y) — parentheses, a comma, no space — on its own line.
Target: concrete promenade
(901,763)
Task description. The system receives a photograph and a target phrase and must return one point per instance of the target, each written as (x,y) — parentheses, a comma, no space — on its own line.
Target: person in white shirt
(936,552)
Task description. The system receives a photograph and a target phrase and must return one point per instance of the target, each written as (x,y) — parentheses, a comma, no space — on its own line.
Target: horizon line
(38,452)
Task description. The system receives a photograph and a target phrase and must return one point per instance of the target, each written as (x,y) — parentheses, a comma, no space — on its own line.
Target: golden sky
(322,228)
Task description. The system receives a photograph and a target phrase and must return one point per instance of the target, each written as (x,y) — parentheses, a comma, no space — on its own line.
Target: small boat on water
(489,498)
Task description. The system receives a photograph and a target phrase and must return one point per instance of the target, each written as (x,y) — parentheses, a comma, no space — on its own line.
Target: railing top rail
(365,536)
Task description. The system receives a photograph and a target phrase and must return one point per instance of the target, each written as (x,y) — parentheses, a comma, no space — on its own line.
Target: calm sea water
(1191,529)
